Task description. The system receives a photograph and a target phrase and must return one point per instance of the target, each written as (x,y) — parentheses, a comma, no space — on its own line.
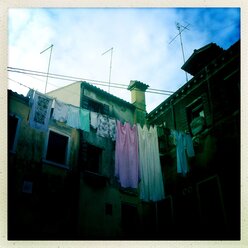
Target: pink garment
(126,155)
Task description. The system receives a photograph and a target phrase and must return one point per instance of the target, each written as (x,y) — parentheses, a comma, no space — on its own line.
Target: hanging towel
(84,120)
(93,119)
(126,155)
(60,112)
(73,119)
(40,112)
(151,185)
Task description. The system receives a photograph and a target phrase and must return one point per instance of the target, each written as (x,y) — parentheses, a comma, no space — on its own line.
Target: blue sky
(140,38)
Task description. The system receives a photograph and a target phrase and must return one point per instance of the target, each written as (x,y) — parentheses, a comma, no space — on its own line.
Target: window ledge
(55,164)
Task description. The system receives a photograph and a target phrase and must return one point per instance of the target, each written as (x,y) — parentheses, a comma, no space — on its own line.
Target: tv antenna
(110,67)
(180,29)
(51,47)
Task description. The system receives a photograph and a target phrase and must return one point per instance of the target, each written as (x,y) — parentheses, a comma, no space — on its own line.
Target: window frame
(94,105)
(14,146)
(194,106)
(66,164)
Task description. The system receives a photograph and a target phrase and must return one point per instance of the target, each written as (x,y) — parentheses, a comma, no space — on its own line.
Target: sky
(145,41)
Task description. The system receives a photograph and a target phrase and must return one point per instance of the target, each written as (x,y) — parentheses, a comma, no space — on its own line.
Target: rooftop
(105,94)
(198,78)
(21,97)
(201,57)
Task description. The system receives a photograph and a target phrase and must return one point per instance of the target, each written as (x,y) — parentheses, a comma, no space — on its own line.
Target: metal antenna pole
(179,29)
(48,63)
(110,67)
(181,42)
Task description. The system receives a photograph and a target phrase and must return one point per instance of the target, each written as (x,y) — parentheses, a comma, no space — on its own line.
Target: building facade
(62,180)
(106,211)
(62,184)
(40,174)
(206,202)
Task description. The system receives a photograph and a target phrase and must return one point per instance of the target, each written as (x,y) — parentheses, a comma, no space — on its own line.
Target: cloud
(140,38)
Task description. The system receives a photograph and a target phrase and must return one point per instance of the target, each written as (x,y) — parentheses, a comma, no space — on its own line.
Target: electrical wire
(67,89)
(19,83)
(101,83)
(71,78)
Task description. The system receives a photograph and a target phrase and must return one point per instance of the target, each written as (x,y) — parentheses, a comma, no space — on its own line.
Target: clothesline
(103,119)
(63,112)
(55,103)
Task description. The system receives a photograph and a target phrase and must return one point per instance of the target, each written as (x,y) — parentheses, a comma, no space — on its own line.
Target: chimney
(138,100)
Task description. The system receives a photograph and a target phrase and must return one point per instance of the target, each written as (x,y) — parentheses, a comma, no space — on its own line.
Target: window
(94,158)
(129,220)
(57,148)
(195,109)
(196,116)
(94,106)
(13,129)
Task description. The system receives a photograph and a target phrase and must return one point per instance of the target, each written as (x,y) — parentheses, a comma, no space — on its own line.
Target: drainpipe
(209,97)
(173,115)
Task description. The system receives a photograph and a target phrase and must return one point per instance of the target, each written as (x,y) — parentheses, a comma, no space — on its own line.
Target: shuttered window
(95,106)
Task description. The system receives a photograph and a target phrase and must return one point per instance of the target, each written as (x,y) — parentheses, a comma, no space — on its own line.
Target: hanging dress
(151,185)
(126,155)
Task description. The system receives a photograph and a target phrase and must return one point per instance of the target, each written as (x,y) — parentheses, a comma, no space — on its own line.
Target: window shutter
(85,102)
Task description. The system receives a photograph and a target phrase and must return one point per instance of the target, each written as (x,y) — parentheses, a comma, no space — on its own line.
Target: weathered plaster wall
(93,220)
(42,211)
(69,94)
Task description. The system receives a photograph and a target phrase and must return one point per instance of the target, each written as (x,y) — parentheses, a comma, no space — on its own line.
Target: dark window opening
(12,131)
(108,209)
(94,106)
(198,111)
(94,155)
(57,148)
(129,219)
(195,110)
